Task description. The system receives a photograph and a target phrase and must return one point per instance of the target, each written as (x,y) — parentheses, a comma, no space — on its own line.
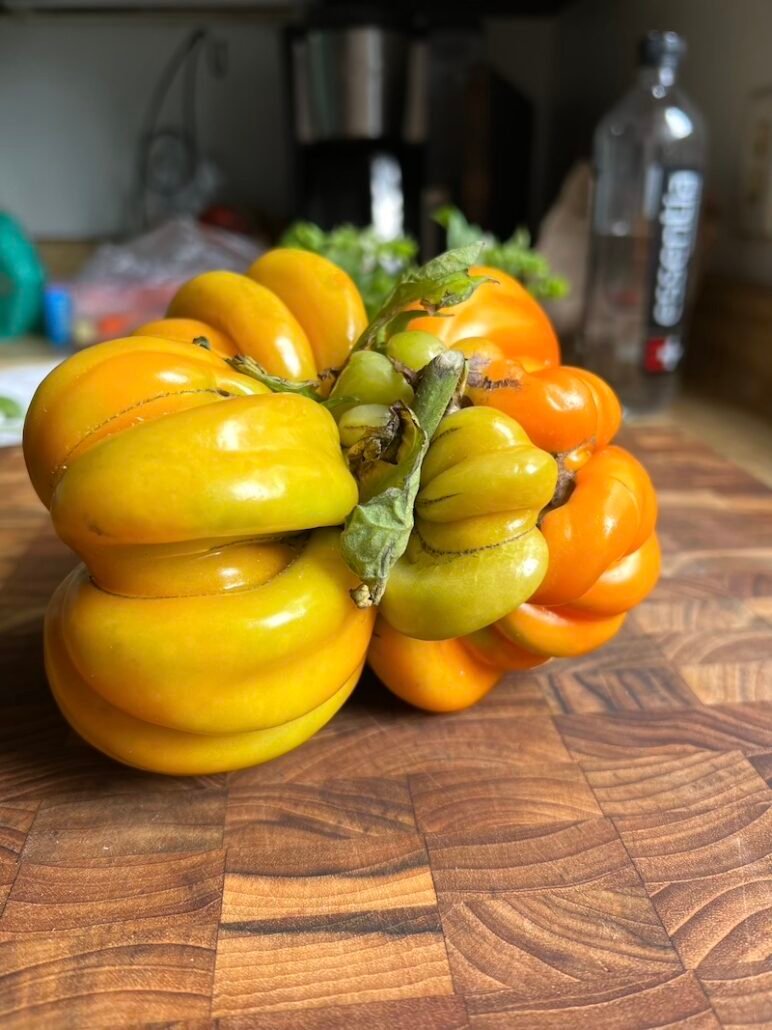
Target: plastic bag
(176,250)
(124,285)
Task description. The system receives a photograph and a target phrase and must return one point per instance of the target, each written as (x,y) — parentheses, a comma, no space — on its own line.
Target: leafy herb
(514,255)
(441,282)
(378,529)
(374,264)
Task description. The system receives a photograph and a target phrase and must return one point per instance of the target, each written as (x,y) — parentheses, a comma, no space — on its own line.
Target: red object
(224,217)
(662,354)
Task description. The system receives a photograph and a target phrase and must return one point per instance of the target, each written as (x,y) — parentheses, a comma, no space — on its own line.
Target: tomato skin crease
(476,551)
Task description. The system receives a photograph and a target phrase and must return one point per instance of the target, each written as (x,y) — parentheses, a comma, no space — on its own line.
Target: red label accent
(662,354)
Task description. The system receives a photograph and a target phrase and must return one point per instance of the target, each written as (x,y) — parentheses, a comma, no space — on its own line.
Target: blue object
(57,314)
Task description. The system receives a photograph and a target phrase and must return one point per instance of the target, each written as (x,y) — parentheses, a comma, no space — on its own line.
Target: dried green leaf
(378,529)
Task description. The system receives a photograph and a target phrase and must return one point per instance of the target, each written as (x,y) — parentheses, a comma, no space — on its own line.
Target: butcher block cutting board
(588,847)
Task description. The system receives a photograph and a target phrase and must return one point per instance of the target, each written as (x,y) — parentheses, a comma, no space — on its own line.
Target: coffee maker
(396,114)
(359,120)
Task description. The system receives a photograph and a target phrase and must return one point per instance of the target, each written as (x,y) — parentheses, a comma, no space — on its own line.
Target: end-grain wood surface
(588,847)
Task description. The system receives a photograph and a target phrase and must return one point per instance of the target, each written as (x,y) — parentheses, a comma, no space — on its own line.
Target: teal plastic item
(22,277)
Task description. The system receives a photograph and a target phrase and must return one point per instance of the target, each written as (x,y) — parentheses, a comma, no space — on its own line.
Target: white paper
(19,382)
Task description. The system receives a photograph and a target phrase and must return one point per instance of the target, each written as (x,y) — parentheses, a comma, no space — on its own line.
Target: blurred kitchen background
(117,116)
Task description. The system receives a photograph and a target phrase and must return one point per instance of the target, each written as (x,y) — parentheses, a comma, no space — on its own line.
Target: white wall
(73,93)
(730,55)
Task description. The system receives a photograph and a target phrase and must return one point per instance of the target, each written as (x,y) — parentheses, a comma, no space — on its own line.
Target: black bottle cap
(661,48)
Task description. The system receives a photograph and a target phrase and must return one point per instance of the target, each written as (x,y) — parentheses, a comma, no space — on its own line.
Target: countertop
(589,846)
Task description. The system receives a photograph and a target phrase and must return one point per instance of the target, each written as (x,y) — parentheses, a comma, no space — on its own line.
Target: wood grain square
(437,1013)
(699,781)
(710,877)
(733,682)
(530,858)
(694,525)
(339,751)
(517,695)
(729,572)
(278,882)
(629,650)
(47,898)
(745,728)
(575,688)
(386,955)
(539,944)
(38,772)
(741,1001)
(656,1005)
(691,614)
(303,813)
(543,793)
(398,748)
(110,975)
(716,647)
(147,823)
(9,868)
(697,468)
(15,823)
(681,845)
(721,923)
(763,766)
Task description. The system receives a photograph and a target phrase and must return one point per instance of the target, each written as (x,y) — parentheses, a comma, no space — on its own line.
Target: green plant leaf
(514,256)
(442,282)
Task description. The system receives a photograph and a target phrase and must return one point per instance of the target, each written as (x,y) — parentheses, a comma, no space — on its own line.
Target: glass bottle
(649,154)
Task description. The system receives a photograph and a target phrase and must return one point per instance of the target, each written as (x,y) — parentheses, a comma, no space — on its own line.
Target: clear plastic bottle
(649,157)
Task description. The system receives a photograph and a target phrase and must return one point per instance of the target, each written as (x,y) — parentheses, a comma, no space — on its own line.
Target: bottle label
(674,236)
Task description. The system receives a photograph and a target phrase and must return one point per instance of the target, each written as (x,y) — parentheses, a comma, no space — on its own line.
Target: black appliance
(395,116)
